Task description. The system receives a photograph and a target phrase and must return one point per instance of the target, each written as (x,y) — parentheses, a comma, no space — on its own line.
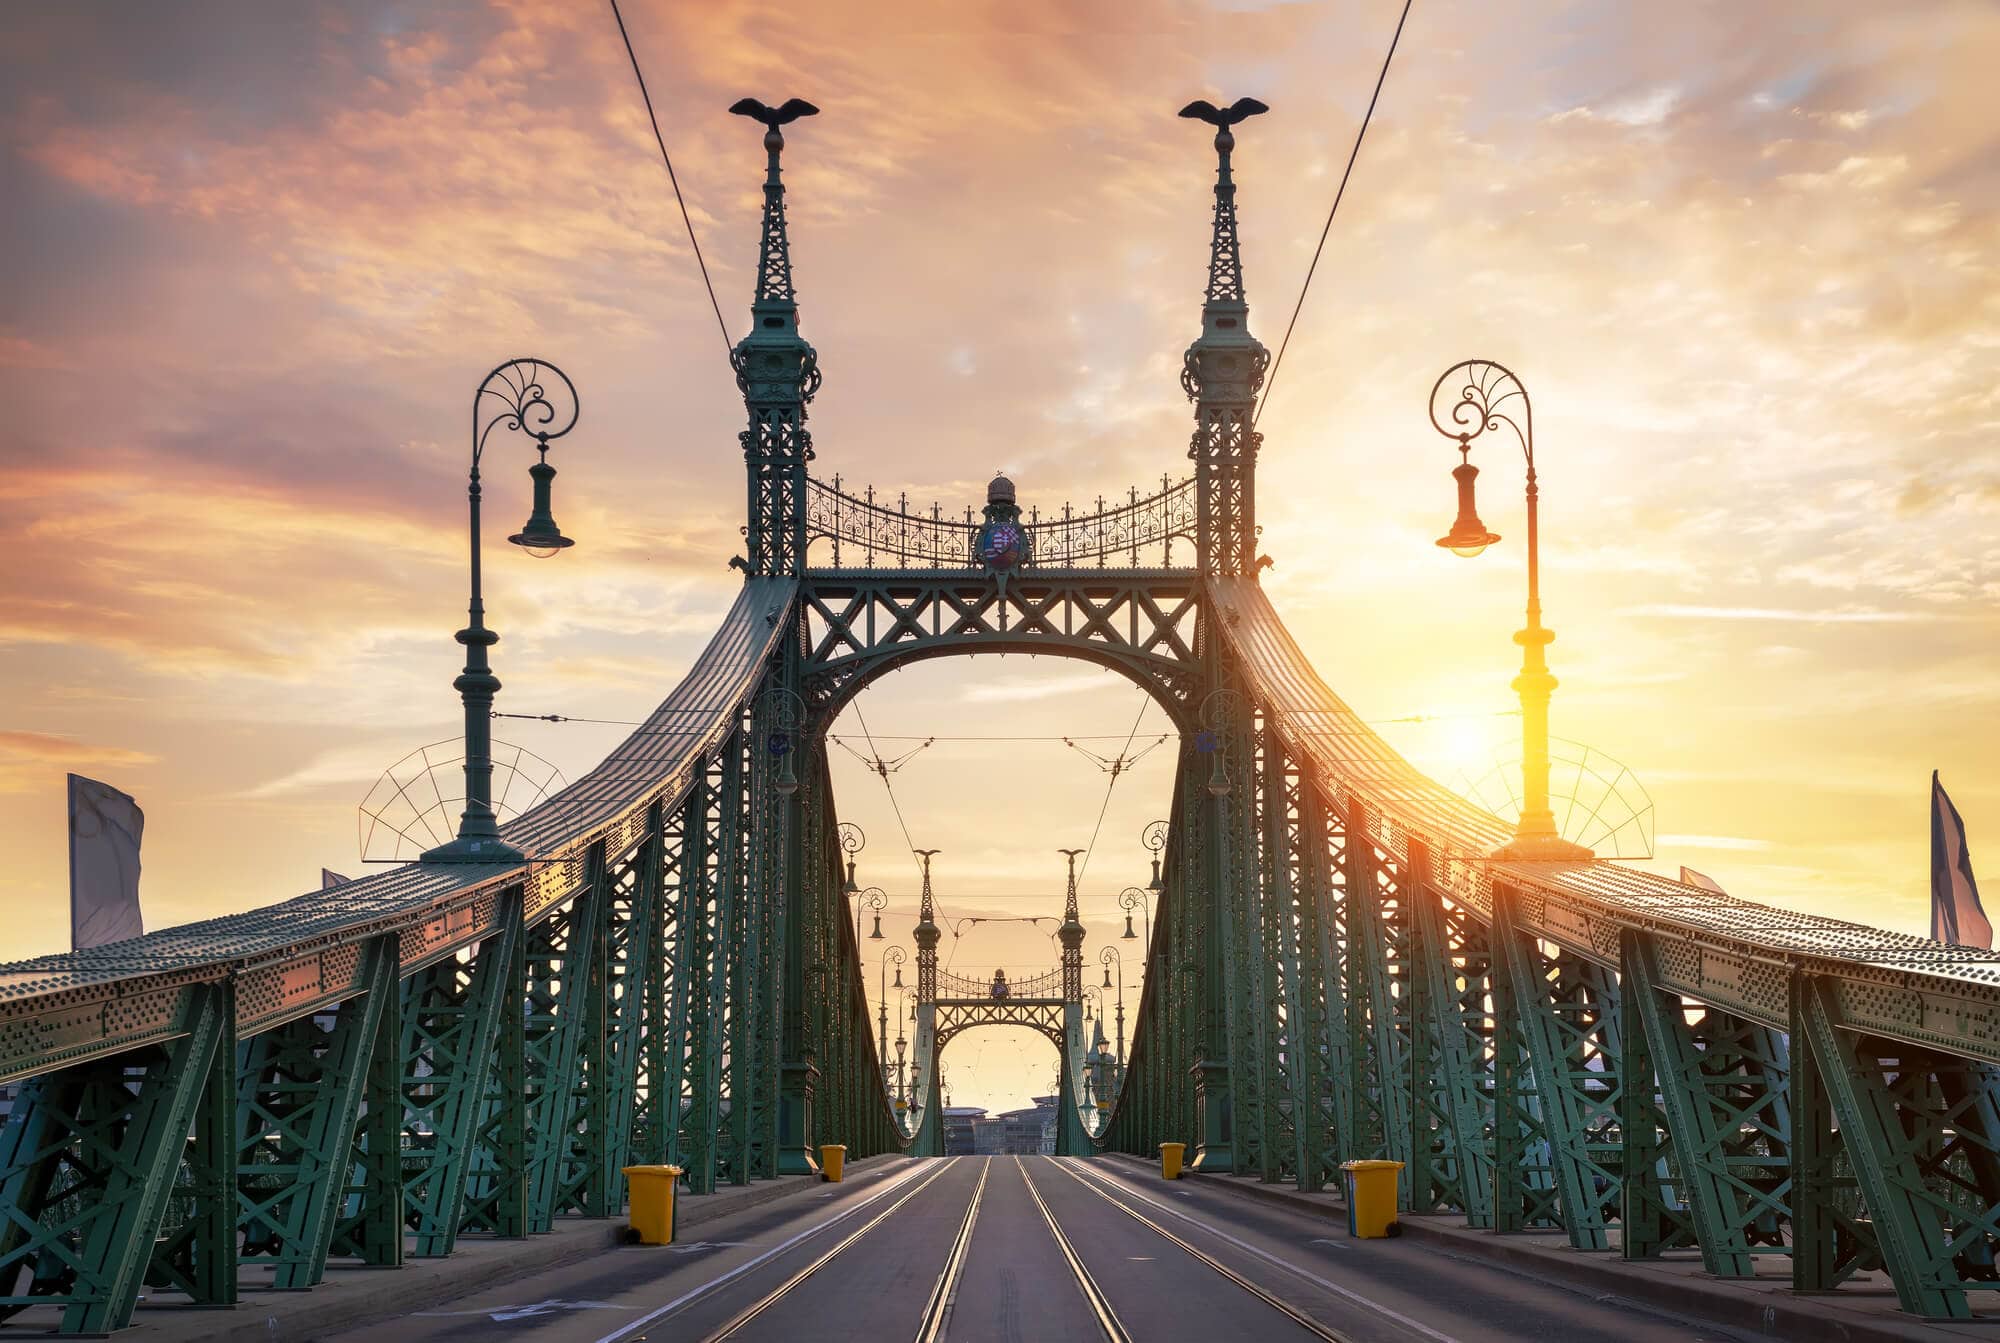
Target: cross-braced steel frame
(1333,973)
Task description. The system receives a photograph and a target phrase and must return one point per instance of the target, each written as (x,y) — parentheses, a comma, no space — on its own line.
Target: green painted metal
(456,1032)
(300,1090)
(1722,1095)
(563,989)
(88,1162)
(1923,1131)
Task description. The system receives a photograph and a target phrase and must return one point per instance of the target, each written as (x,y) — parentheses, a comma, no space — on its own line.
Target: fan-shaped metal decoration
(414,806)
(1597,801)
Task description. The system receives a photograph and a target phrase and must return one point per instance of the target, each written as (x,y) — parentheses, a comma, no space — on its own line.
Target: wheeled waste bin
(653,1202)
(1371,1198)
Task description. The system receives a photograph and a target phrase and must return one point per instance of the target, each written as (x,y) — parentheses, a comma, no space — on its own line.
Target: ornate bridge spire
(1222,373)
(927,935)
(1070,934)
(778,373)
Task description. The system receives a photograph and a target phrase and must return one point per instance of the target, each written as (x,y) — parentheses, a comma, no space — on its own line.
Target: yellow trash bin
(653,1202)
(832,1156)
(1371,1198)
(1170,1159)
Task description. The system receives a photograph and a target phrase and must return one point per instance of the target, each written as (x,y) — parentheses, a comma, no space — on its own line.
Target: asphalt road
(893,1253)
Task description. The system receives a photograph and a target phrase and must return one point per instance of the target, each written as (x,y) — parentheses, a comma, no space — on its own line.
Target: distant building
(989,1136)
(960,1124)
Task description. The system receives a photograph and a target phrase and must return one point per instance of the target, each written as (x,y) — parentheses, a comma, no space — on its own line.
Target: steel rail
(1270,1299)
(770,1299)
(1416,1327)
(1100,1305)
(688,1298)
(944,1296)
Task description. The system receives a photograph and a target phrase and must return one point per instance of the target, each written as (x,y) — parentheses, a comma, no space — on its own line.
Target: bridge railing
(866,532)
(1045,985)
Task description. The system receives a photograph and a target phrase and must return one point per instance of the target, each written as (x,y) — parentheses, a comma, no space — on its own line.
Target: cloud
(1680,611)
(1006,692)
(1735,843)
(29,761)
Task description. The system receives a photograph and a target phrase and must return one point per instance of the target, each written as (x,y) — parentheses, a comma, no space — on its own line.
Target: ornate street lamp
(1489,397)
(1217,709)
(892,956)
(1154,837)
(874,898)
(1129,899)
(535,398)
(852,841)
(785,716)
(1107,957)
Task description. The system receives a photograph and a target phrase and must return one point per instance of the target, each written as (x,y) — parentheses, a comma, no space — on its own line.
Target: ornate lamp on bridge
(892,956)
(535,398)
(1107,958)
(1154,837)
(1491,398)
(876,899)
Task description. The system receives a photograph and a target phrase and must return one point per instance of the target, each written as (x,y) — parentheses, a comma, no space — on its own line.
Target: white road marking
(501,1314)
(696,1247)
(1343,1293)
(1322,1240)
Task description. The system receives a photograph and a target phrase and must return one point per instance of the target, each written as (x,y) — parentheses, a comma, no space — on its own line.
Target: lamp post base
(1542,849)
(474,849)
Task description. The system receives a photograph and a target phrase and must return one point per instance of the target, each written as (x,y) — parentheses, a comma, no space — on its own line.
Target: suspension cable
(694,242)
(1353,154)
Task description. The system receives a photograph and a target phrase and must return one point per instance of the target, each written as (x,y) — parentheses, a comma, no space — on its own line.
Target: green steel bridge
(1338,966)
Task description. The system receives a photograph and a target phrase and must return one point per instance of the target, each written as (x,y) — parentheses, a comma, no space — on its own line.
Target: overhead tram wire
(1353,154)
(722,326)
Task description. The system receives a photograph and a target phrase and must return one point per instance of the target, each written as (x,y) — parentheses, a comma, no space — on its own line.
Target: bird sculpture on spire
(794,108)
(1201,109)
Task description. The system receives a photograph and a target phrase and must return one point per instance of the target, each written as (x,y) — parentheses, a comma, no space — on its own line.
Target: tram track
(736,1322)
(1271,1299)
(1100,1305)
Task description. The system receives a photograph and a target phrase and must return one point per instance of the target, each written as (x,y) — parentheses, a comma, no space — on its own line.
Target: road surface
(1030,1250)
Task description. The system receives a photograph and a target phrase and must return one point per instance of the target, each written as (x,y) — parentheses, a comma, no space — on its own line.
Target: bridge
(659,965)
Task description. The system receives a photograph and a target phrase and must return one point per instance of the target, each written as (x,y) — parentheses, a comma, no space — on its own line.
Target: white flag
(328,879)
(104,830)
(1690,877)
(1956,914)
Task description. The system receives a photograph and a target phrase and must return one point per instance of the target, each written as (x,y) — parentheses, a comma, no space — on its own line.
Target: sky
(257,258)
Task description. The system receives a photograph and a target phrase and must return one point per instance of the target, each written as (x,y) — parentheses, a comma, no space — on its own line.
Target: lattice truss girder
(857,628)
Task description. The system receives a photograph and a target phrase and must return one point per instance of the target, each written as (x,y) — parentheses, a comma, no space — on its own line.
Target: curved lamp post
(1129,899)
(1217,708)
(1107,958)
(874,898)
(1491,399)
(785,719)
(892,956)
(535,398)
(852,841)
(1154,837)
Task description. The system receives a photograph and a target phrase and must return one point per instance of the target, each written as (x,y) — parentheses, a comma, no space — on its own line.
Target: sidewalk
(1864,1311)
(353,1295)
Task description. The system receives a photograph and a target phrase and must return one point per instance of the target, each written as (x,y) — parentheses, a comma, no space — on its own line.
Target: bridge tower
(1222,373)
(929,1139)
(778,374)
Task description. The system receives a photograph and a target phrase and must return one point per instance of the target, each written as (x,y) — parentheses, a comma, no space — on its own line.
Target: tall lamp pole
(1107,958)
(1474,397)
(535,398)
(893,956)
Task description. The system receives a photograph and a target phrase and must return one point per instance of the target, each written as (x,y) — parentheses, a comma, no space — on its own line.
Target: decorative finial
(1225,260)
(774,252)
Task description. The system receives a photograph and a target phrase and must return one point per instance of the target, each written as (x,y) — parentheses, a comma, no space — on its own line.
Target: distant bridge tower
(1222,373)
(778,373)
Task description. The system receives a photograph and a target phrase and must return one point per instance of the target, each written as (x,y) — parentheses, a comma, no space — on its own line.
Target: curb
(1763,1309)
(353,1297)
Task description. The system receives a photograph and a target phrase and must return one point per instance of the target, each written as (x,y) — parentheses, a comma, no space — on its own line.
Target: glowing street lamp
(1491,398)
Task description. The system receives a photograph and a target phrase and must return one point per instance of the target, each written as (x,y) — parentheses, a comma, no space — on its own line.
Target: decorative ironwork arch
(1139,623)
(958,1015)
